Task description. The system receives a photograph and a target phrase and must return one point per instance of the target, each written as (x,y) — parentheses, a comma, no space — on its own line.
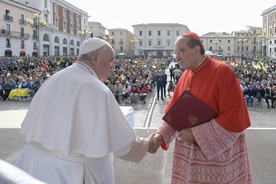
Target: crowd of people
(133,79)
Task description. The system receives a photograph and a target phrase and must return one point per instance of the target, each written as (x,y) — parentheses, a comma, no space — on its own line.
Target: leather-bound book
(188,111)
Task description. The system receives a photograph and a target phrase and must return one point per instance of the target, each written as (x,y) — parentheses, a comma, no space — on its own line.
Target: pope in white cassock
(74,124)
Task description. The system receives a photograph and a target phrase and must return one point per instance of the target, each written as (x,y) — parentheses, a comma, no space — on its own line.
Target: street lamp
(84,34)
(133,45)
(216,41)
(264,43)
(107,38)
(36,23)
(242,40)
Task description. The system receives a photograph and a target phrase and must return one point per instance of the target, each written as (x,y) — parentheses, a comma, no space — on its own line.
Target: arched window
(72,42)
(45,37)
(78,43)
(64,41)
(56,39)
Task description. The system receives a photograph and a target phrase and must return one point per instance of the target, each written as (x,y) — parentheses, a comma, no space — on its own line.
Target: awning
(22,53)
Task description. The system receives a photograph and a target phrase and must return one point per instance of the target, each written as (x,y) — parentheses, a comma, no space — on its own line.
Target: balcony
(14,34)
(8,18)
(22,22)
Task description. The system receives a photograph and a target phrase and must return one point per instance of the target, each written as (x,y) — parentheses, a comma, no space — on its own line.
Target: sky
(200,16)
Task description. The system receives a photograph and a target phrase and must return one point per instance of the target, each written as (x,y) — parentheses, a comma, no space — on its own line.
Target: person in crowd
(8,85)
(267,95)
(34,86)
(73,132)
(172,73)
(144,93)
(249,95)
(171,87)
(164,81)
(273,97)
(126,90)
(215,151)
(110,86)
(260,92)
(118,91)
(134,93)
(159,77)
(177,74)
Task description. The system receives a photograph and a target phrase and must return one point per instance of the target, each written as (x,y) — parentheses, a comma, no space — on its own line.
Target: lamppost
(264,43)
(84,34)
(36,23)
(216,42)
(242,40)
(133,41)
(107,38)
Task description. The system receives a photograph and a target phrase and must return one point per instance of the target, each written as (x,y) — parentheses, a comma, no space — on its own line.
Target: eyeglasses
(179,51)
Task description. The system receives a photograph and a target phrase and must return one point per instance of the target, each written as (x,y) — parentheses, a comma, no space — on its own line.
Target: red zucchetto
(192,35)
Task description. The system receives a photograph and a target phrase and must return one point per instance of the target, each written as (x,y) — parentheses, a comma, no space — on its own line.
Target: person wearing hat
(215,151)
(74,124)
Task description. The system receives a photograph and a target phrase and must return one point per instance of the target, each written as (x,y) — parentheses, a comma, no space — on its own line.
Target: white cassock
(73,127)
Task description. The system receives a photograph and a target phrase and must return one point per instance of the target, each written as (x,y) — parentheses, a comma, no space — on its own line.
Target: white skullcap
(91,44)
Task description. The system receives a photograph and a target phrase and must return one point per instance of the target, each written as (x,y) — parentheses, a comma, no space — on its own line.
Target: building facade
(240,44)
(56,27)
(96,29)
(268,38)
(156,39)
(122,41)
(220,43)
(16,37)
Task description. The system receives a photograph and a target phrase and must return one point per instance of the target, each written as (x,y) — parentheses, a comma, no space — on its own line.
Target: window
(149,33)
(71,15)
(8,43)
(149,43)
(159,33)
(22,31)
(64,41)
(168,43)
(121,33)
(228,41)
(21,20)
(8,29)
(45,3)
(56,9)
(64,12)
(22,45)
(177,33)
(229,49)
(64,25)
(45,37)
(46,17)
(140,43)
(159,42)
(140,33)
(56,39)
(56,22)
(168,33)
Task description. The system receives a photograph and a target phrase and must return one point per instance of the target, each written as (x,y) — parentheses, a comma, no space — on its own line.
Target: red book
(188,111)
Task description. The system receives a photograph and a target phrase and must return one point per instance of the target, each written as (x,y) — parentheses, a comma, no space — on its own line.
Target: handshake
(155,140)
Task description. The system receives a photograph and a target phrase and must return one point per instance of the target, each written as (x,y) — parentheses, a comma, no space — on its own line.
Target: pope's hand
(155,141)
